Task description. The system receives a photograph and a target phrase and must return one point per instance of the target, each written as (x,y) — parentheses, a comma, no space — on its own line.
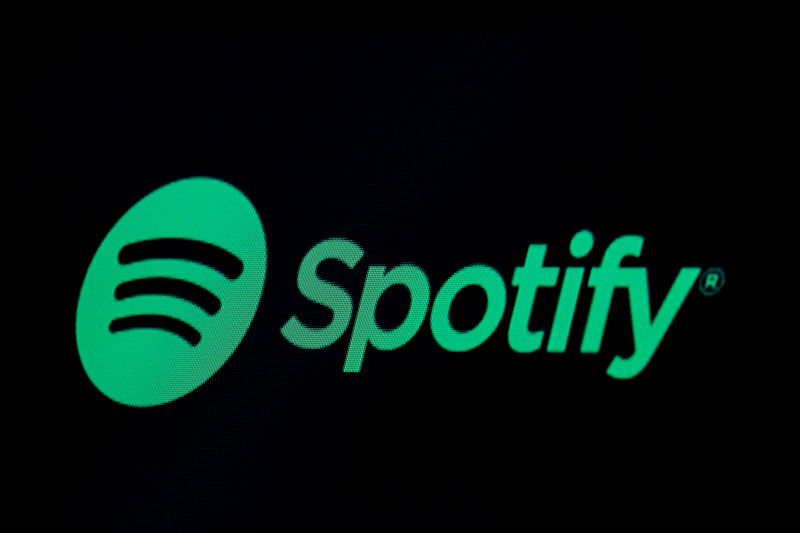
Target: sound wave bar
(185,290)
(204,253)
(166,323)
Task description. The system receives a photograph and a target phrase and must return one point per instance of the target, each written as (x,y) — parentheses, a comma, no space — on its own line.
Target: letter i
(580,245)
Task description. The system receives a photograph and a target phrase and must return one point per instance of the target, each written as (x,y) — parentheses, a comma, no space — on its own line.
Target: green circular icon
(171,292)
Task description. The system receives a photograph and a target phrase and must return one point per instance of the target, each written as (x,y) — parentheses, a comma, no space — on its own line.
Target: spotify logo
(171,292)
(175,284)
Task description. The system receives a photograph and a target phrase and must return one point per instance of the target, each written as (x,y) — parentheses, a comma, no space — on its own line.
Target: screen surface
(424,391)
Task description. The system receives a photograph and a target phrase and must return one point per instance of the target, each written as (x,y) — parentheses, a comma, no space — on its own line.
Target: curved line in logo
(162,322)
(186,290)
(217,258)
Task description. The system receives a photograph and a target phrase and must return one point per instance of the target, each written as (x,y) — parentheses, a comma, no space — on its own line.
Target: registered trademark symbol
(711,281)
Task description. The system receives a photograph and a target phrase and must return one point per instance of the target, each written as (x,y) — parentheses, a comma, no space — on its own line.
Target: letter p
(366,330)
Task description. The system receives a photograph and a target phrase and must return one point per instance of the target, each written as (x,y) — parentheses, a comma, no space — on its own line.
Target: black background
(438,149)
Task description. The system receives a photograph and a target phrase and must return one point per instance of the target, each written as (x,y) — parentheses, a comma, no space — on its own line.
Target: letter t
(529,278)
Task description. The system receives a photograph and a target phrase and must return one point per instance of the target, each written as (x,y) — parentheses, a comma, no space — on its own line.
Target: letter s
(324,293)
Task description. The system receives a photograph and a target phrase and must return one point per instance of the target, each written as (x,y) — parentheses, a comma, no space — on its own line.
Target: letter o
(492,284)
